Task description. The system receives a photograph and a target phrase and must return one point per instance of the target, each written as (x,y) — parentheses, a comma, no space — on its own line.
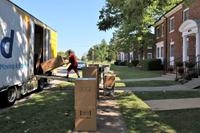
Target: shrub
(123,63)
(135,62)
(188,77)
(181,70)
(117,62)
(170,68)
(130,65)
(153,64)
(189,64)
(179,63)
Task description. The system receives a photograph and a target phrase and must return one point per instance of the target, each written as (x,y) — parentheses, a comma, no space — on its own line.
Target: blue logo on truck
(5,50)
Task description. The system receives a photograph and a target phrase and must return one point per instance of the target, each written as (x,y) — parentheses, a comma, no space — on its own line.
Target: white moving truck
(25,42)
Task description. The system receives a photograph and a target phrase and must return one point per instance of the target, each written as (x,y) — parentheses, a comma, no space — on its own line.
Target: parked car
(81,64)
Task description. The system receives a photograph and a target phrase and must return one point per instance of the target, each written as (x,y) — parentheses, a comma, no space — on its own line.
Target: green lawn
(139,117)
(50,111)
(124,72)
(152,83)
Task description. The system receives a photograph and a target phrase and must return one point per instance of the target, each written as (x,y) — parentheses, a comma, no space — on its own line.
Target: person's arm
(67,62)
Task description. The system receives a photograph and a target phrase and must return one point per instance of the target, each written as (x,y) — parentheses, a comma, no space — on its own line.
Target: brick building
(178,34)
(146,53)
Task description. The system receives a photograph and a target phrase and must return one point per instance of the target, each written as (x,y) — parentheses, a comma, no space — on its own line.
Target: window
(149,55)
(171,24)
(162,52)
(171,50)
(186,14)
(158,32)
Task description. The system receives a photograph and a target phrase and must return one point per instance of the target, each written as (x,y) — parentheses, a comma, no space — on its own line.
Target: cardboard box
(85,119)
(52,64)
(109,81)
(90,72)
(86,92)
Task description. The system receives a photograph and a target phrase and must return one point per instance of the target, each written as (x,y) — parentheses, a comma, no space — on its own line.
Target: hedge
(153,64)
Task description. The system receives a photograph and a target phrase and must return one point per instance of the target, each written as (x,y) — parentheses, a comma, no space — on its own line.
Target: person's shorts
(72,67)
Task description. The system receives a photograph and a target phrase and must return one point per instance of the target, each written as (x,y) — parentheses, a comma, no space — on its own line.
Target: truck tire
(41,85)
(10,96)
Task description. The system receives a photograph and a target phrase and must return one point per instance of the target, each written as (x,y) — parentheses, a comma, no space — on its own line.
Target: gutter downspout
(166,44)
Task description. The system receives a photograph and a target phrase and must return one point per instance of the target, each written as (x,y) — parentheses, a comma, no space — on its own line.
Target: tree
(61,53)
(101,52)
(132,18)
(134,14)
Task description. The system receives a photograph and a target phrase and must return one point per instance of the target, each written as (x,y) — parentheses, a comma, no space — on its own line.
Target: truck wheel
(10,96)
(41,85)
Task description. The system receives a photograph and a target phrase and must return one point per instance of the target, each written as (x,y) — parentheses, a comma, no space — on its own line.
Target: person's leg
(76,71)
(68,70)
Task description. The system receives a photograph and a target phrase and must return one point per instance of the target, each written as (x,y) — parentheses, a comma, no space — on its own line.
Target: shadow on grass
(139,117)
(47,111)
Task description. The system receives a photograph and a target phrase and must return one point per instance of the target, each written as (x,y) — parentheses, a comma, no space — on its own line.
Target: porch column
(185,44)
(197,45)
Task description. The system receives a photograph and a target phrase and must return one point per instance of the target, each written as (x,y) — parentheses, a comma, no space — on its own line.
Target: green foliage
(102,52)
(154,64)
(61,53)
(132,19)
(84,58)
(64,54)
(135,62)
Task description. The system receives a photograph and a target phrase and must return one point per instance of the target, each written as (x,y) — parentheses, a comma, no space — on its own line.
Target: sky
(74,20)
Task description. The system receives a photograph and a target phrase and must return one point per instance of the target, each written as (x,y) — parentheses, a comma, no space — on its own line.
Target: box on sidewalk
(85,119)
(52,64)
(92,72)
(86,92)
(109,80)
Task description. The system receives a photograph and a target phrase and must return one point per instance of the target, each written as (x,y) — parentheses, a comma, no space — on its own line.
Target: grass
(50,111)
(139,118)
(124,72)
(156,83)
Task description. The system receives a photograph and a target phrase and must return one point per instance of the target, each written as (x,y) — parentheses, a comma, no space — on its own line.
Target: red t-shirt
(72,59)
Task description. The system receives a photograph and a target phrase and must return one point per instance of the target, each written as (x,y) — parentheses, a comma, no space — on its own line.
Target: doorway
(38,49)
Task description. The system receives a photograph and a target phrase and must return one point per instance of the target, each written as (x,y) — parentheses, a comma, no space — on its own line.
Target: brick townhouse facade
(178,34)
(136,55)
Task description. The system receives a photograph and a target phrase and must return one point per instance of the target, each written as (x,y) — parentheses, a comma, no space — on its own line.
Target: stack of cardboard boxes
(85,104)
(86,101)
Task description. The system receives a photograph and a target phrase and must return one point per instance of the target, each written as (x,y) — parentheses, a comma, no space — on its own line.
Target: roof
(30,15)
(164,15)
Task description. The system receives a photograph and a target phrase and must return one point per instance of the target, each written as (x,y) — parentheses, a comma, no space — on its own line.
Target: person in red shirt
(73,64)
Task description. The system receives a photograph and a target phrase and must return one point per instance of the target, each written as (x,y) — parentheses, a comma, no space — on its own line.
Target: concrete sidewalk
(146,79)
(109,118)
(179,87)
(173,104)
